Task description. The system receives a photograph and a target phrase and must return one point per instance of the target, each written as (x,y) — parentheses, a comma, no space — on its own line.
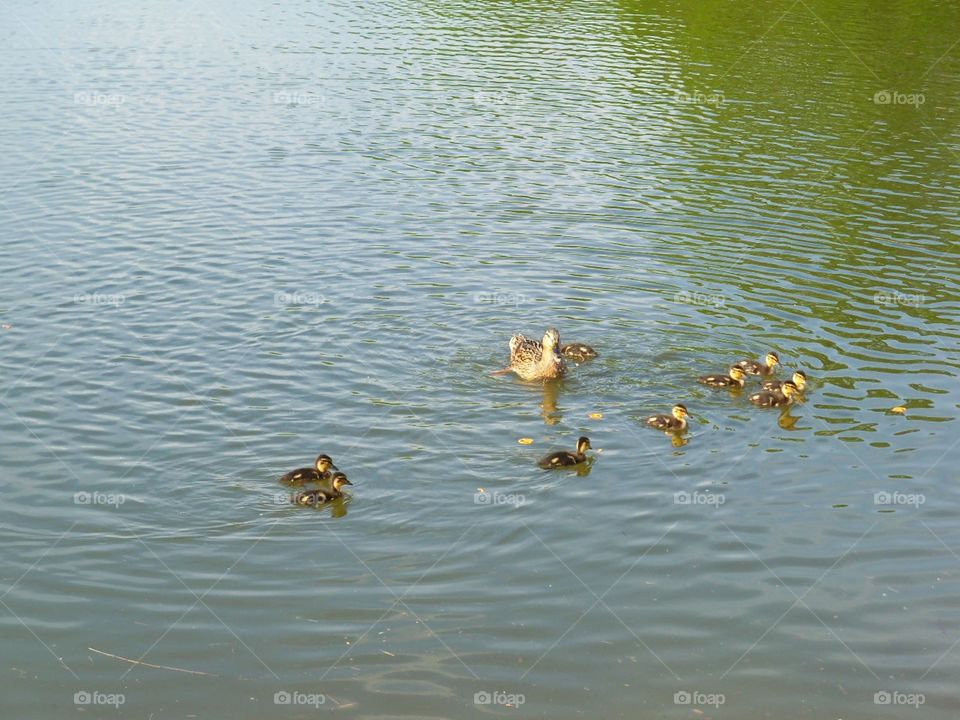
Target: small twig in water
(146,664)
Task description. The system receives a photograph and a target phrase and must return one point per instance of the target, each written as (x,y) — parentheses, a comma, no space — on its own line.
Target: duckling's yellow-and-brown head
(737,373)
(772,359)
(583,444)
(324,463)
(789,389)
(680,412)
(800,379)
(339,480)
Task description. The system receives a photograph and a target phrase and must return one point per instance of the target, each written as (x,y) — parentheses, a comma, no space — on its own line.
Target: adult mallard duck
(767,367)
(533,360)
(565,458)
(312,498)
(322,470)
(735,378)
(799,379)
(775,398)
(674,422)
(578,352)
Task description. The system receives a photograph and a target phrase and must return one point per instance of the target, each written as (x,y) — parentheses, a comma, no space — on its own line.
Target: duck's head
(551,339)
(737,373)
(339,480)
(583,444)
(772,359)
(789,389)
(800,379)
(680,412)
(324,463)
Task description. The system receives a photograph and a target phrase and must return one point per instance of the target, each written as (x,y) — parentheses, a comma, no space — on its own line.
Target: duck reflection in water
(787,421)
(338,508)
(551,412)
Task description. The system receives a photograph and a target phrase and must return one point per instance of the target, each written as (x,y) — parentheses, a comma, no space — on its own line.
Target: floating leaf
(899,410)
(596,416)
(525,441)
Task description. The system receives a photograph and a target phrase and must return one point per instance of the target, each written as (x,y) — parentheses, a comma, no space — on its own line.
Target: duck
(323,469)
(537,360)
(564,458)
(578,352)
(775,398)
(767,367)
(676,421)
(312,498)
(799,379)
(735,378)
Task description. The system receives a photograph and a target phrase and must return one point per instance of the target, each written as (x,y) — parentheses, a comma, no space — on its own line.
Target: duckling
(533,360)
(676,421)
(799,379)
(563,458)
(767,367)
(775,398)
(312,498)
(735,378)
(578,352)
(323,470)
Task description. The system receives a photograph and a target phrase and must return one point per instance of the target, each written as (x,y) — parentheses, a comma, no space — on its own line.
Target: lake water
(239,235)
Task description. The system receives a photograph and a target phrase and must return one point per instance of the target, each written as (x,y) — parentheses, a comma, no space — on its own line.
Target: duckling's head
(789,389)
(583,444)
(339,480)
(772,359)
(551,339)
(324,463)
(680,412)
(800,379)
(737,373)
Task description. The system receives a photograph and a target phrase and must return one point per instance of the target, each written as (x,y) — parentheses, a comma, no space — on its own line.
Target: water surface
(236,237)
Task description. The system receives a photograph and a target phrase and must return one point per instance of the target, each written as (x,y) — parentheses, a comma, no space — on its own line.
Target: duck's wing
(751,367)
(556,459)
(300,475)
(524,349)
(578,352)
